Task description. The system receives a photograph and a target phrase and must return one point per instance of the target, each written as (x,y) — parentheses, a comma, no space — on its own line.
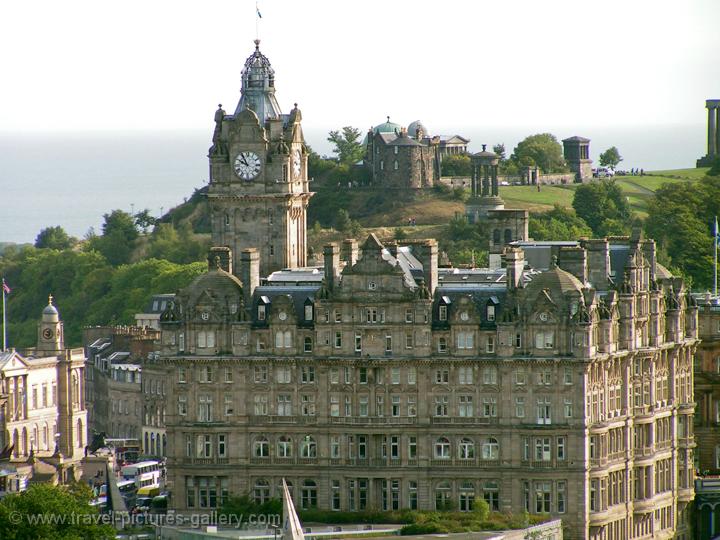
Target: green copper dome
(387,127)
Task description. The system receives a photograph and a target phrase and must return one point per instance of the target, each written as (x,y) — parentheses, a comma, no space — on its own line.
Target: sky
(165,65)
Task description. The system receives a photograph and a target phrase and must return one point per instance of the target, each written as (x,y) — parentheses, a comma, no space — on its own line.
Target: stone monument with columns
(713,138)
(504,225)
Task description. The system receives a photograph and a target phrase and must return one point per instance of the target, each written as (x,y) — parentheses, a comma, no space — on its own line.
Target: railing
(463,420)
(374,420)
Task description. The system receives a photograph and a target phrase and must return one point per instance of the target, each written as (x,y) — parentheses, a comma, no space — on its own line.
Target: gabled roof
(576,138)
(12,360)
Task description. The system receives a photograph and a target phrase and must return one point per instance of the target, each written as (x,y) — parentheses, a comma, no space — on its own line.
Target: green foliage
(499,149)
(603,206)
(54,238)
(347,147)
(343,223)
(610,158)
(243,506)
(680,219)
(87,290)
(456,165)
(559,223)
(542,150)
(118,239)
(122,222)
(69,505)
(145,220)
(466,243)
(461,194)
(481,509)
(177,245)
(400,233)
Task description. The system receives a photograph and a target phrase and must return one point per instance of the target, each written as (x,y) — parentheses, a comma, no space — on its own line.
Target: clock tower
(50,330)
(259,191)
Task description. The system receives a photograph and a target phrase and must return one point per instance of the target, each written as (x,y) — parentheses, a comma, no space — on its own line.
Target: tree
(559,223)
(499,149)
(145,220)
(603,206)
(343,223)
(53,512)
(54,238)
(347,147)
(542,150)
(456,165)
(119,221)
(118,238)
(610,158)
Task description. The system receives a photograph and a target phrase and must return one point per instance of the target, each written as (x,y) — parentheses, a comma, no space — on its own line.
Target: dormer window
(308,312)
(395,165)
(395,150)
(491,313)
(442,315)
(261,312)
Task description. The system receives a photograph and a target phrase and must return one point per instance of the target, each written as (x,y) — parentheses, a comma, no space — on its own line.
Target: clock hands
(244,160)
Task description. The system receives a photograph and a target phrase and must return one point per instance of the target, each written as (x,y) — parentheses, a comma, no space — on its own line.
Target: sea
(73,179)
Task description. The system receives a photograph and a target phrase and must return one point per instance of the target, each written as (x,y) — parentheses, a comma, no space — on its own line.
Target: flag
(716,231)
(5,287)
(258,12)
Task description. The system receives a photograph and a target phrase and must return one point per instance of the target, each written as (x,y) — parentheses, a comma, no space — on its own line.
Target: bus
(145,474)
(126,450)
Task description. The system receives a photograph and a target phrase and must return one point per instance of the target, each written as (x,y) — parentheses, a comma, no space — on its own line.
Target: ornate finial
(50,299)
(484,146)
(257,44)
(388,119)
(219,105)
(295,105)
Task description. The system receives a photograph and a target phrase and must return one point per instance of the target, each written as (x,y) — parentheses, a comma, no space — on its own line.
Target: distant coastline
(72,179)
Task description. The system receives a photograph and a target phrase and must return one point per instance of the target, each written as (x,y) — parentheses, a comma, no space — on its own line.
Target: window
(229,375)
(334,376)
(542,497)
(466,449)
(371,314)
(283,375)
(560,447)
(228,405)
(442,345)
(379,406)
(308,447)
(205,409)
(335,447)
(363,375)
(363,408)
(261,447)
(395,375)
(411,375)
(182,375)
(442,448)
(334,406)
(544,339)
(520,407)
(491,494)
(442,376)
(411,405)
(307,374)
(206,339)
(347,375)
(518,341)
(412,447)
(543,411)
(408,340)
(260,374)
(261,404)
(443,496)
(394,447)
(307,344)
(388,343)
(441,405)
(542,449)
(567,375)
(206,374)
(182,405)
(284,405)
(412,495)
(338,315)
(338,340)
(308,312)
(307,405)
(465,406)
(520,378)
(348,406)
(408,315)
(490,375)
(284,447)
(395,406)
(491,313)
(544,377)
(465,340)
(442,313)
(490,344)
(561,497)
(568,408)
(491,448)
(489,407)
(362,447)
(335,494)
(395,150)
(465,375)
(261,312)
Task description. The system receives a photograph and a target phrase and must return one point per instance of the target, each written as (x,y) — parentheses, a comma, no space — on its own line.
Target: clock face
(297,163)
(282,315)
(47,333)
(247,165)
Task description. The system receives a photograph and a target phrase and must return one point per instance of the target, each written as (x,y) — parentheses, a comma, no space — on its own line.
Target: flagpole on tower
(5,289)
(257,21)
(716,237)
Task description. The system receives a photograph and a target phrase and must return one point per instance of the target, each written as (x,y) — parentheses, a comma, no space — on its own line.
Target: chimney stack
(574,260)
(350,251)
(514,266)
(331,257)
(249,273)
(427,254)
(598,262)
(220,257)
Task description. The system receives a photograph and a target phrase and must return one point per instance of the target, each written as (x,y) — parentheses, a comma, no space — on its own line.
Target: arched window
(443,496)
(35,445)
(508,236)
(491,494)
(24,442)
(45,439)
(261,448)
(16,443)
(466,450)
(308,447)
(308,498)
(284,447)
(442,448)
(261,491)
(146,448)
(491,448)
(467,496)
(496,236)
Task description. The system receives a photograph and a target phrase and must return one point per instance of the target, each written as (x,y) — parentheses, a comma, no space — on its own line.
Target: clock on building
(247,165)
(48,333)
(297,163)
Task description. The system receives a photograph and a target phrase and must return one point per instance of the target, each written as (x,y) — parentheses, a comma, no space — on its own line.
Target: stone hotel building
(382,381)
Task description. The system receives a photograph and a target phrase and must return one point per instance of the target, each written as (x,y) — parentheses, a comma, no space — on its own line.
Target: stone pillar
(712,130)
